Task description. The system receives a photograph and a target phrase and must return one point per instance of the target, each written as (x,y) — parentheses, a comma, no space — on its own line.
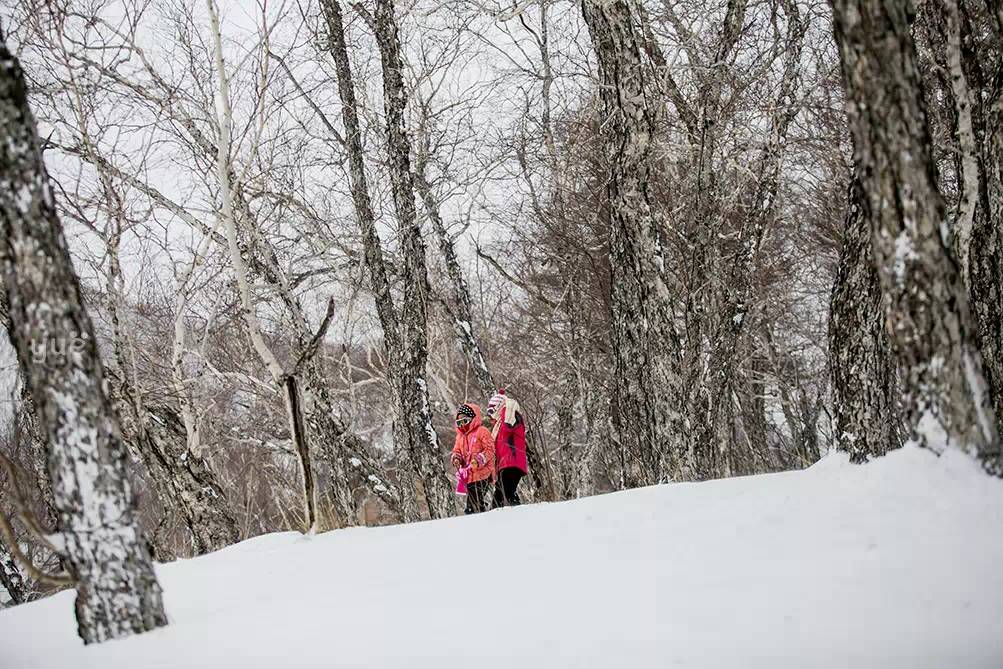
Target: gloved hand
(480,460)
(456,461)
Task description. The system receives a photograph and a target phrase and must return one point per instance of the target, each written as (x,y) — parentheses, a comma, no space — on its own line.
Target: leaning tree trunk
(117,590)
(186,484)
(413,311)
(459,307)
(28,432)
(860,357)
(647,425)
(403,332)
(11,578)
(925,301)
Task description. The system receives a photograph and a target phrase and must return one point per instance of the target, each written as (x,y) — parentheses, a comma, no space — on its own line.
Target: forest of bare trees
(256,253)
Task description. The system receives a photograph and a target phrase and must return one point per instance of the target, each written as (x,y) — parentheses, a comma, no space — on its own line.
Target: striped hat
(496,401)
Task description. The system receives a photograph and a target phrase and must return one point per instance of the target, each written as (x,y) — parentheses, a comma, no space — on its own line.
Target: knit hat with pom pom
(495,402)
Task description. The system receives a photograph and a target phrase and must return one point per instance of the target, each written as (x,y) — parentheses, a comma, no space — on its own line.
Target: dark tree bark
(186,485)
(427,453)
(986,253)
(10,576)
(975,47)
(404,335)
(861,361)
(645,406)
(925,301)
(117,590)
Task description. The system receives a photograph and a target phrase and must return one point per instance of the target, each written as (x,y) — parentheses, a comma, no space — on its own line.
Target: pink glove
(462,476)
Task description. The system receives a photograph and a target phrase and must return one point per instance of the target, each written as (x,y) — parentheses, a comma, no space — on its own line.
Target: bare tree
(924,297)
(646,386)
(117,591)
(404,327)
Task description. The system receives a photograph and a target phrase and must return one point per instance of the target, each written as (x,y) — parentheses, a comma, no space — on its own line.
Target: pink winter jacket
(473,449)
(510,444)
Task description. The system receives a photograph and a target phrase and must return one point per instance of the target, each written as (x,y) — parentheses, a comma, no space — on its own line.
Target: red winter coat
(510,444)
(473,440)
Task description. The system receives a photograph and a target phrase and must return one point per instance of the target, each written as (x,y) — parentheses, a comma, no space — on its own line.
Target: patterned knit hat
(495,402)
(466,411)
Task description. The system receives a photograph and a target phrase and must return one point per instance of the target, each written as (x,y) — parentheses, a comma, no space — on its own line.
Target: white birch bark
(117,591)
(285,383)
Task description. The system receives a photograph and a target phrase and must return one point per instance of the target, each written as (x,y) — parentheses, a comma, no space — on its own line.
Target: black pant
(477,496)
(506,493)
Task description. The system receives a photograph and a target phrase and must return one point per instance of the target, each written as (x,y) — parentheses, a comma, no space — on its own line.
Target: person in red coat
(509,432)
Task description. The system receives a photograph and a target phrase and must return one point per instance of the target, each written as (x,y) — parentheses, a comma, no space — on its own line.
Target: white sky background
(482,89)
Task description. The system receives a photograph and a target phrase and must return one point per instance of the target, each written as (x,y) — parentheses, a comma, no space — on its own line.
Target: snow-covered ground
(895,564)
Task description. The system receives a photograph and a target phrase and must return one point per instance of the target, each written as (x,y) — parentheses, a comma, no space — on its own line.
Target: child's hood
(473,425)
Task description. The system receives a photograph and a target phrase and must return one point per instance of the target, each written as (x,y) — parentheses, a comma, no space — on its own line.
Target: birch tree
(117,590)
(971,46)
(646,386)
(404,326)
(924,298)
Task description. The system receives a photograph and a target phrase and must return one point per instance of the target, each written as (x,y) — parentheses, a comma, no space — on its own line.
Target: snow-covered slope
(895,564)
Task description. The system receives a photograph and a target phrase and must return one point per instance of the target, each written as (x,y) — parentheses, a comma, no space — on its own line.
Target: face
(463,421)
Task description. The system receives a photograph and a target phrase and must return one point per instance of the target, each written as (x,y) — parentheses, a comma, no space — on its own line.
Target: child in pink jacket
(474,453)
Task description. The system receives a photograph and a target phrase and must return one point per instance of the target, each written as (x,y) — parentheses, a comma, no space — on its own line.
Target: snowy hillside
(895,564)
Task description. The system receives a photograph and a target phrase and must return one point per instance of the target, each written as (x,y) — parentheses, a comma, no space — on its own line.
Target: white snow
(904,253)
(895,564)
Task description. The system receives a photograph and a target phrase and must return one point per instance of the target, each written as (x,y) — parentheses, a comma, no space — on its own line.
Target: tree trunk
(415,441)
(925,301)
(117,590)
(30,431)
(983,156)
(860,355)
(647,425)
(734,299)
(184,482)
(459,307)
(10,576)
(986,254)
(703,269)
(423,440)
